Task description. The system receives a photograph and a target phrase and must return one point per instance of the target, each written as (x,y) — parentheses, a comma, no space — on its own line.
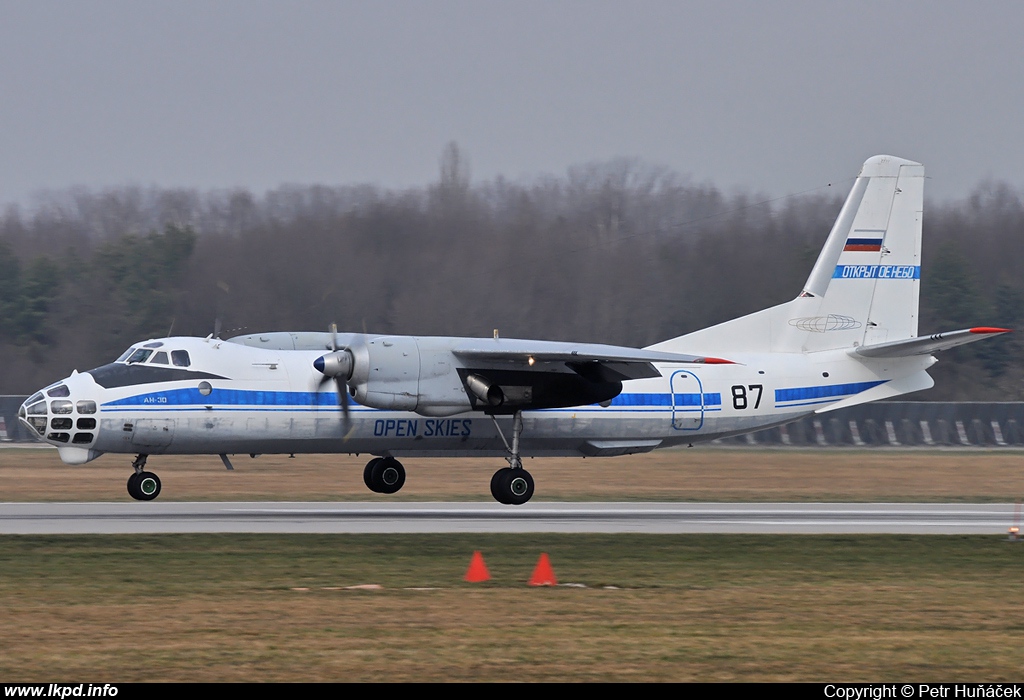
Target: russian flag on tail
(864,244)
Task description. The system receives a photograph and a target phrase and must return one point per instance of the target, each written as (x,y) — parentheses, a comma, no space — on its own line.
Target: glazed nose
(59,418)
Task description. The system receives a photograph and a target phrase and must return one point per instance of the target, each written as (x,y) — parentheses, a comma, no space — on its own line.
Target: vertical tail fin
(869,272)
(864,287)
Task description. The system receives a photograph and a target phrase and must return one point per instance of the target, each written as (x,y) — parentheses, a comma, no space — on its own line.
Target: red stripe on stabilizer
(717,361)
(988,329)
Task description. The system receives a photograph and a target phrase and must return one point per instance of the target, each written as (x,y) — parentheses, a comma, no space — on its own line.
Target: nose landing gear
(143,485)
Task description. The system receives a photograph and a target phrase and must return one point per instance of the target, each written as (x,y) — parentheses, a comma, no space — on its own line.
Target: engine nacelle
(386,373)
(400,373)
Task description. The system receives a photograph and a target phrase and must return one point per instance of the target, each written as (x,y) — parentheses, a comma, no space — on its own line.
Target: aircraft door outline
(686,416)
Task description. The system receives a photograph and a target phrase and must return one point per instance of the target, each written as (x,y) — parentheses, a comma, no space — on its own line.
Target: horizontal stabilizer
(928,344)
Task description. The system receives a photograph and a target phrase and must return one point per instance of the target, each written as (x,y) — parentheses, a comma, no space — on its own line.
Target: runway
(407,517)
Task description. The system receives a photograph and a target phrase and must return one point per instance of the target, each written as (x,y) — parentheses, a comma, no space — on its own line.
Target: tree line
(615,252)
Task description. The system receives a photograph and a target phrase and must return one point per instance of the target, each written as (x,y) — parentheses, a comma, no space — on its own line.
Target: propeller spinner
(337,365)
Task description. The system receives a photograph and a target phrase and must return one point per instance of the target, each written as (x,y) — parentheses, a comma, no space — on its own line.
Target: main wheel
(133,487)
(497,487)
(147,486)
(368,473)
(519,487)
(388,475)
(512,487)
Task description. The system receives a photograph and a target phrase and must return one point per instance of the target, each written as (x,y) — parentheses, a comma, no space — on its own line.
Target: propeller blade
(340,383)
(343,402)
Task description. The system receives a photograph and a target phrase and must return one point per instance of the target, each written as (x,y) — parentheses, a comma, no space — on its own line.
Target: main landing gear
(384,475)
(512,485)
(143,485)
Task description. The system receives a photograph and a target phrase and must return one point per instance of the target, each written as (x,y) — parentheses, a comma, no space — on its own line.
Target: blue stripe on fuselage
(228,397)
(241,397)
(710,399)
(806,393)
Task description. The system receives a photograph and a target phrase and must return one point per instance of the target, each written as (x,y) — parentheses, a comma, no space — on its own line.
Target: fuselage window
(139,355)
(180,358)
(159,359)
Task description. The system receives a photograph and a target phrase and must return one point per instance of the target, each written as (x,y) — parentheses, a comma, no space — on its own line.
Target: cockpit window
(139,355)
(180,358)
(125,354)
(59,391)
(38,396)
(157,344)
(159,359)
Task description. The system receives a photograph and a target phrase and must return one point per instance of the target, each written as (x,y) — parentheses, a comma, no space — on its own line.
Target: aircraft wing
(928,344)
(585,358)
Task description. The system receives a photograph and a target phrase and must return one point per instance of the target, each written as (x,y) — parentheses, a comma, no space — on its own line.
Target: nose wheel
(143,485)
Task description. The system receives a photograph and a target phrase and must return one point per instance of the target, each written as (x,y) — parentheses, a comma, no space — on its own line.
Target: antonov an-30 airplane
(849,337)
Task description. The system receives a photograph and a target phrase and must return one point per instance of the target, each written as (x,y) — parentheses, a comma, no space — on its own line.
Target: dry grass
(710,608)
(698,474)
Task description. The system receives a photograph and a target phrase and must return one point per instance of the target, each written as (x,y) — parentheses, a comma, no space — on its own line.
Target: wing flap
(928,344)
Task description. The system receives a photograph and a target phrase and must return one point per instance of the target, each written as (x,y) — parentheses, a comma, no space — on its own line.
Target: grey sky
(775,97)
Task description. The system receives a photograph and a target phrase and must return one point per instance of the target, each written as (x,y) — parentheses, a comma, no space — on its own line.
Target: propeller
(337,366)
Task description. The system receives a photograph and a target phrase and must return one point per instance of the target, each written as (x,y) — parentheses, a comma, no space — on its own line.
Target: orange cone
(543,575)
(477,570)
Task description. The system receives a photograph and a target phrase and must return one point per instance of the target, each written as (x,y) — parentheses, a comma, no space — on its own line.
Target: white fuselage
(235,399)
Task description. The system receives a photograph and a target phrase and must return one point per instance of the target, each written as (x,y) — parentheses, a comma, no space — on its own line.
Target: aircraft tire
(497,487)
(512,487)
(368,473)
(133,487)
(388,475)
(147,486)
(518,487)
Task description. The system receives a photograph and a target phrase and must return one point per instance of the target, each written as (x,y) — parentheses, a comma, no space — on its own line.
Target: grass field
(698,474)
(655,608)
(649,608)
